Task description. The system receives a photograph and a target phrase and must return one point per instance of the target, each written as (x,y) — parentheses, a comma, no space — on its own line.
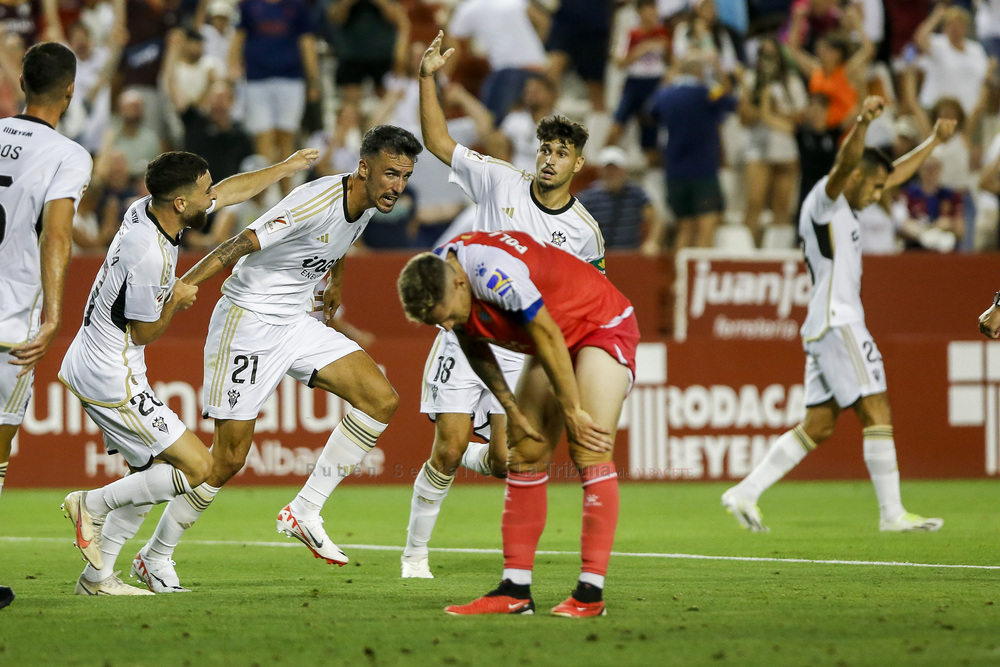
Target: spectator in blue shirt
(621,207)
(691,110)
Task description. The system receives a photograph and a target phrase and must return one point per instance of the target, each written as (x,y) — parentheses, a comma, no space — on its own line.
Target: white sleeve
(819,207)
(275,226)
(145,294)
(476,173)
(503,281)
(72,177)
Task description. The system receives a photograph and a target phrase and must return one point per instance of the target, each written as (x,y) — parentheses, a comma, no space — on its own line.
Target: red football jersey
(512,275)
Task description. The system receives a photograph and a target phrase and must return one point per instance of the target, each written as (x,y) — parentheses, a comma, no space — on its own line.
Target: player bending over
(508,289)
(843,365)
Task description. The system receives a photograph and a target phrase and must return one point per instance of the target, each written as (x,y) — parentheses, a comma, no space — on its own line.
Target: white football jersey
(830,236)
(102,365)
(506,201)
(37,165)
(301,238)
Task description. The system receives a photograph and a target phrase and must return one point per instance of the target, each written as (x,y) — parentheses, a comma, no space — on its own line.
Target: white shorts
(275,104)
(14,391)
(246,358)
(450,386)
(845,365)
(139,430)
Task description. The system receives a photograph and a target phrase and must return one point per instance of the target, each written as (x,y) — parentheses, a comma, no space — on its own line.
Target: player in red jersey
(508,289)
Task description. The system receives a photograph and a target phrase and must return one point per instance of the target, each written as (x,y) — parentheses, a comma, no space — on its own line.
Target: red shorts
(620,341)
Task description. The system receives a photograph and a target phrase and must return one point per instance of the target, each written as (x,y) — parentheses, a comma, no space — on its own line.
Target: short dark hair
(872,158)
(191,33)
(48,69)
(421,286)
(173,171)
(557,127)
(391,139)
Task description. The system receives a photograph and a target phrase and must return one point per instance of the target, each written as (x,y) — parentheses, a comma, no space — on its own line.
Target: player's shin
(880,457)
(429,491)
(600,519)
(354,437)
(180,514)
(120,526)
(524,511)
(786,453)
(159,483)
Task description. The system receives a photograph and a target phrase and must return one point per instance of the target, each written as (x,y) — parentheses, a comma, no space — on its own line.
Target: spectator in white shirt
(954,66)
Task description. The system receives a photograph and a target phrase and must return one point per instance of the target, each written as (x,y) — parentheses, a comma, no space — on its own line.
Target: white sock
(180,514)
(157,484)
(477,458)
(120,526)
(595,580)
(880,457)
(786,453)
(3,474)
(350,441)
(429,491)
(519,577)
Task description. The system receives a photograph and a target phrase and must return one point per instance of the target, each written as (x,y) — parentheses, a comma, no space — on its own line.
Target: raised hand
(944,129)
(433,59)
(302,159)
(872,108)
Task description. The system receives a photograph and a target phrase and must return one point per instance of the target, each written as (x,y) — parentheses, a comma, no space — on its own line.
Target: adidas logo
(509,211)
(974,393)
(325,238)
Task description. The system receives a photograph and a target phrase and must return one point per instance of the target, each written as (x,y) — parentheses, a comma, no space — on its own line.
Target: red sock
(524,510)
(600,516)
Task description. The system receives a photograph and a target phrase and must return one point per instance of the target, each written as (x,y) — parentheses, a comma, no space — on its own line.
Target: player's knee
(200,469)
(382,403)
(224,467)
(819,431)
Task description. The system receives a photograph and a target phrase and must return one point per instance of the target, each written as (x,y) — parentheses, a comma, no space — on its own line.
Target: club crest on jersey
(158,423)
(558,238)
(283,221)
(499,282)
(434,391)
(233,397)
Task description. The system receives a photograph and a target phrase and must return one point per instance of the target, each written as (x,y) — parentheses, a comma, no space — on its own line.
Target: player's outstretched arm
(433,126)
(222,257)
(853,147)
(55,247)
(554,357)
(989,322)
(144,333)
(907,165)
(241,187)
(485,365)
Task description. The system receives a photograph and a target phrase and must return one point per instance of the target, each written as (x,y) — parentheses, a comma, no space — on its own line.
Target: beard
(197,220)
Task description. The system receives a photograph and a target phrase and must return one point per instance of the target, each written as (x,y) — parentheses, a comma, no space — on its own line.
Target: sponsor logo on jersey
(473,155)
(499,282)
(281,222)
(558,238)
(158,423)
(325,238)
(233,397)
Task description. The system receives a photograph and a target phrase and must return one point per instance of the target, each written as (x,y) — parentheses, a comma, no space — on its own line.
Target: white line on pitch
(627,554)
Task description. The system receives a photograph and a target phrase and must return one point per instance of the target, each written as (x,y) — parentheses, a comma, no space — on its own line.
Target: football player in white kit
(507,198)
(42,177)
(131,304)
(262,330)
(843,365)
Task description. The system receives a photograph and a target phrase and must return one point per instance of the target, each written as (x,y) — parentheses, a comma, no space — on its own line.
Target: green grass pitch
(259,598)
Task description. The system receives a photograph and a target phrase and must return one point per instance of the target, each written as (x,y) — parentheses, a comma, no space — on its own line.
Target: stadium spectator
(132,135)
(217,27)
(772,99)
(579,36)
(275,48)
(903,17)
(11,52)
(621,207)
(809,21)
(934,214)
(691,112)
(701,32)
(514,140)
(642,54)
(513,48)
(21,18)
(211,132)
(954,65)
(364,40)
(816,143)
(89,112)
(148,23)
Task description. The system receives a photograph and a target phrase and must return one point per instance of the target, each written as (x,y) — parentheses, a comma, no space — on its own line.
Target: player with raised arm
(134,298)
(508,289)
(843,365)
(507,198)
(262,330)
(42,177)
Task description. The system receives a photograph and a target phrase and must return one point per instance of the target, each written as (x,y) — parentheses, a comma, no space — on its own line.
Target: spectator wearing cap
(217,28)
(621,207)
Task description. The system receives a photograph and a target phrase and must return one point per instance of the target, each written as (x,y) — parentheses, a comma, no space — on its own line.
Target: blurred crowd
(709,120)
